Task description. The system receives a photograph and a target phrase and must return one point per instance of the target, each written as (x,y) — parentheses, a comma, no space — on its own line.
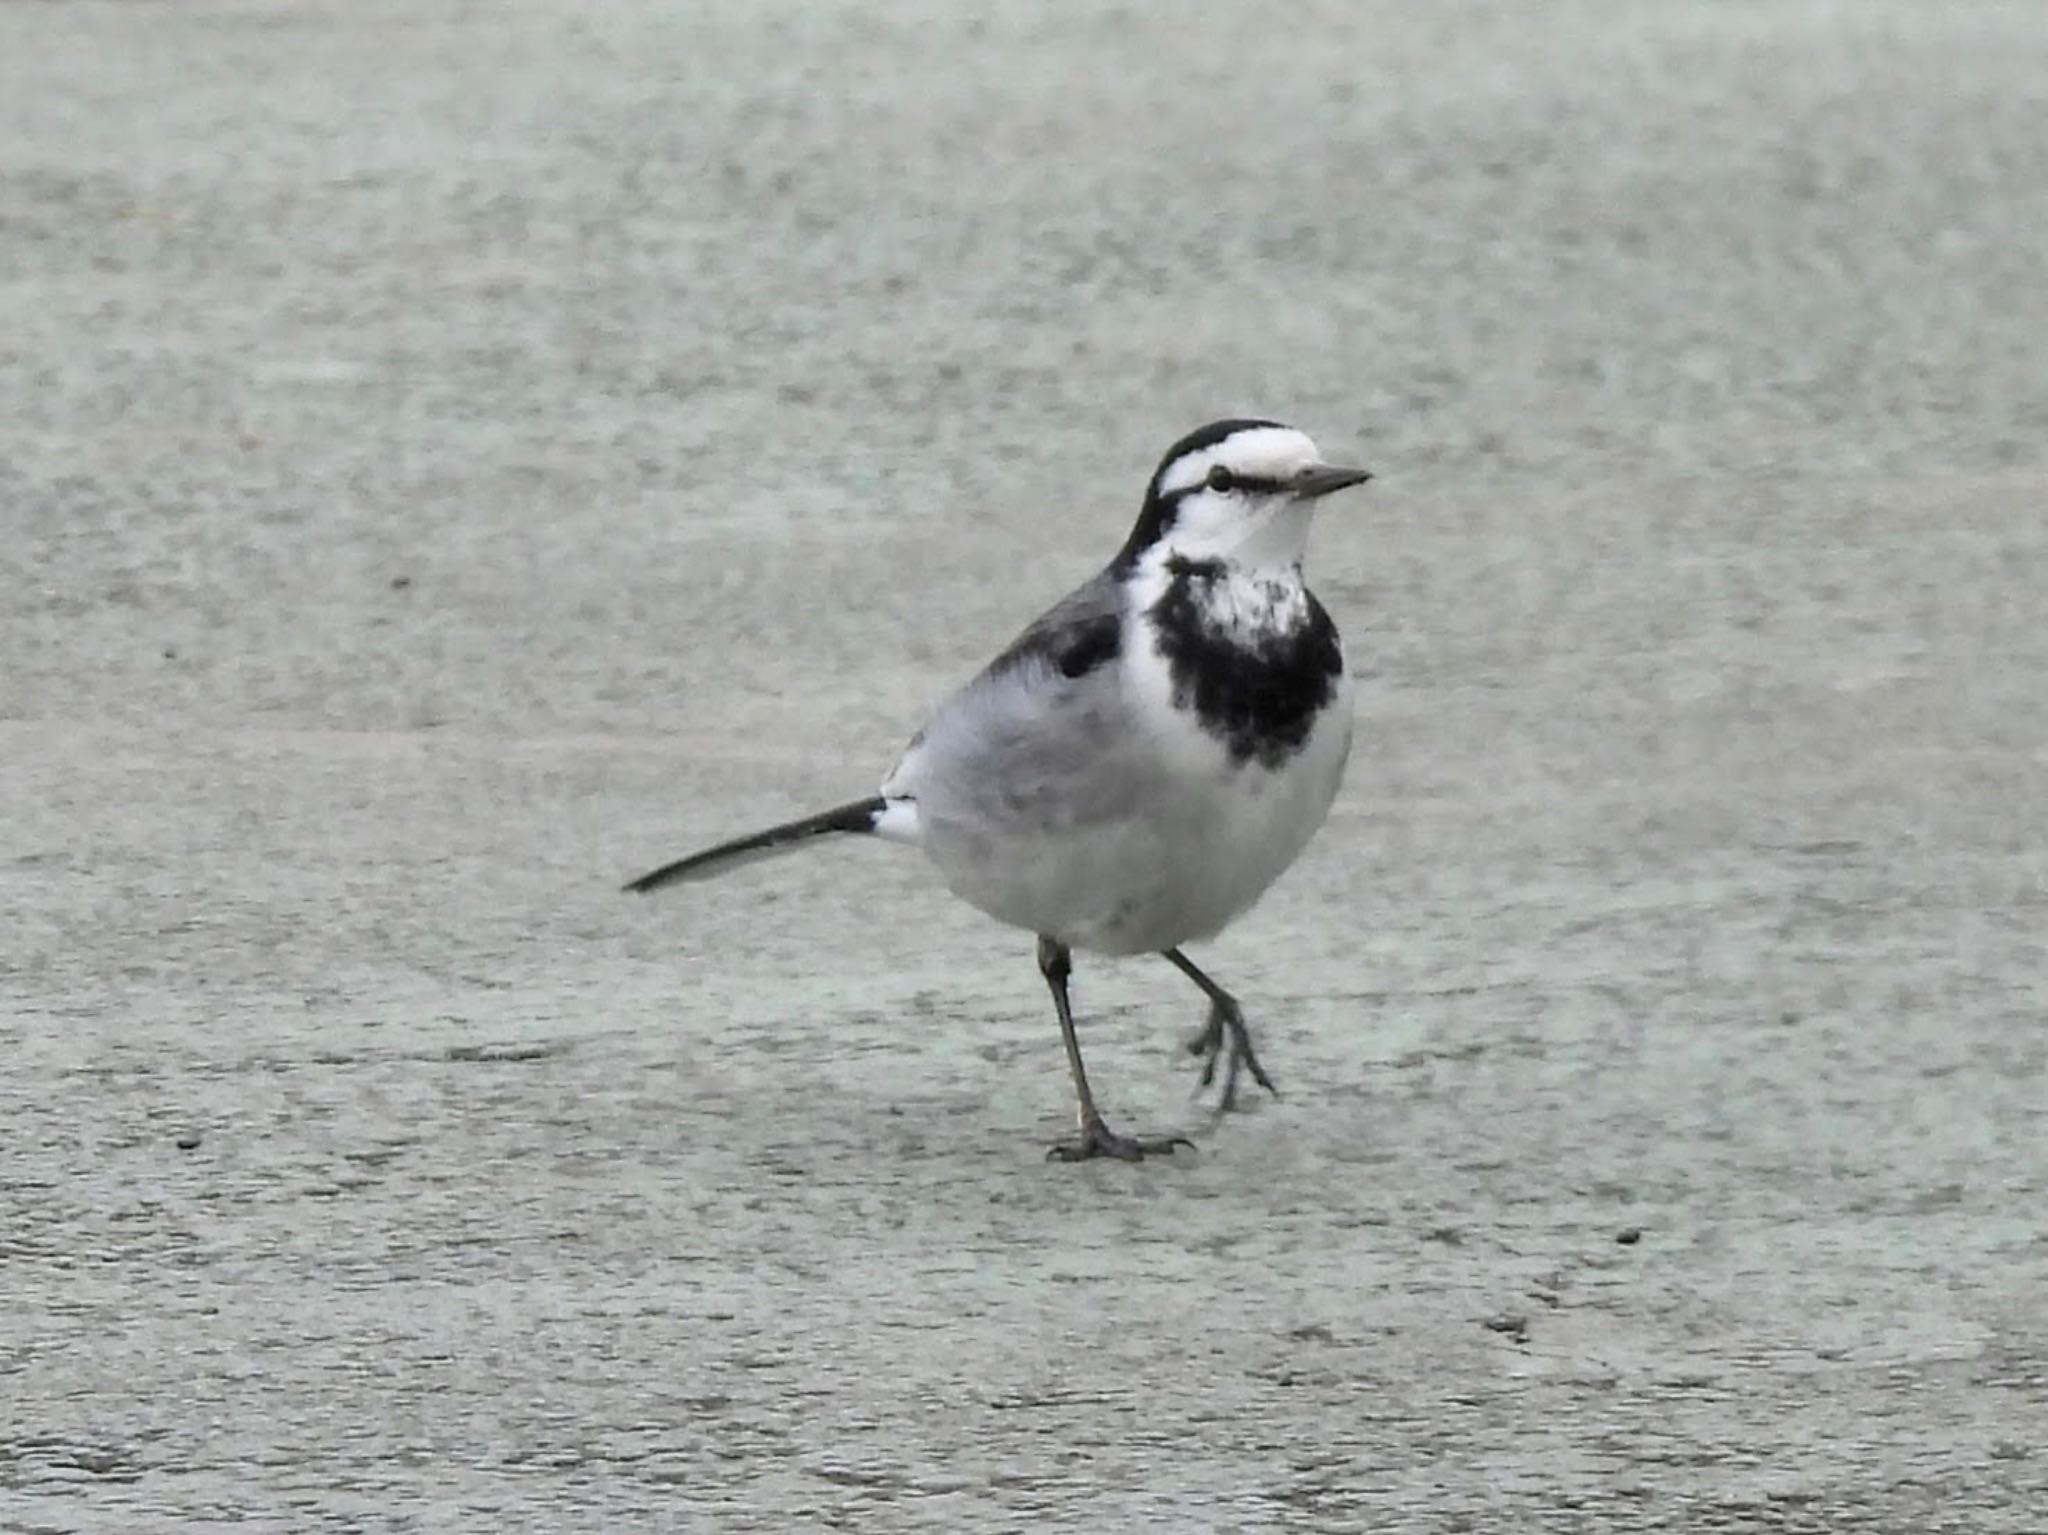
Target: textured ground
(454,456)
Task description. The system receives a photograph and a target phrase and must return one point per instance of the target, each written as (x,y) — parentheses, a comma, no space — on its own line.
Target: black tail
(860,816)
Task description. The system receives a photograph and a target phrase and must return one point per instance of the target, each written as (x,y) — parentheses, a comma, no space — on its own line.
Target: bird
(1135,768)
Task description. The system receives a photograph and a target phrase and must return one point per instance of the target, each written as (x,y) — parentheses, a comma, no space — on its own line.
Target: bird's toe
(1098,1140)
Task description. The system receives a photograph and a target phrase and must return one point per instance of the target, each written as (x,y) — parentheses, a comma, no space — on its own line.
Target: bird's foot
(1098,1140)
(1226,1029)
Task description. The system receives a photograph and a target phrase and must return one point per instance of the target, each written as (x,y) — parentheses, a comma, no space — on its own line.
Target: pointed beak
(1324,478)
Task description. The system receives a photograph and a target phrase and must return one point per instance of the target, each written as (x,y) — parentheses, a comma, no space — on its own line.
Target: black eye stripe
(1263,484)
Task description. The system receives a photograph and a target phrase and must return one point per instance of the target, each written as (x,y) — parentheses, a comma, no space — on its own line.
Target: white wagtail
(1145,759)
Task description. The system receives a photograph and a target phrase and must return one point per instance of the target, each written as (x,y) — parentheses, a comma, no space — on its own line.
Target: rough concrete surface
(453,456)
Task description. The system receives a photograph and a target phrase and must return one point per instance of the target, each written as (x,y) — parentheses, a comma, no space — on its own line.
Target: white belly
(1186,843)
(1109,809)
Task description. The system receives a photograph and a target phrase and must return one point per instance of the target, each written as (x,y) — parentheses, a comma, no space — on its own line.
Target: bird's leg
(1226,1023)
(1096,1139)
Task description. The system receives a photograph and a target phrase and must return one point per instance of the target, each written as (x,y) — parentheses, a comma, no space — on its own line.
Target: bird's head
(1241,492)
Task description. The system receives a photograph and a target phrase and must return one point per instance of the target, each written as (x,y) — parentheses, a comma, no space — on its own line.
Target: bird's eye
(1221,478)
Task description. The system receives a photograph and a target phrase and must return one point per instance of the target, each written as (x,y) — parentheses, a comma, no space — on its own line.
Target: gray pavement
(453,456)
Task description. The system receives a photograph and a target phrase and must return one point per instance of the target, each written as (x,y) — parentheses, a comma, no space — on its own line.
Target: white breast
(1239,824)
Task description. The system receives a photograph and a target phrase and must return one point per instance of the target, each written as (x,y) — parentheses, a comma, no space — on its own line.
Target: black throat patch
(1258,692)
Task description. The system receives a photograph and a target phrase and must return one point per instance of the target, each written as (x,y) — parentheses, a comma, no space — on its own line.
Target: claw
(1098,1140)
(1226,1027)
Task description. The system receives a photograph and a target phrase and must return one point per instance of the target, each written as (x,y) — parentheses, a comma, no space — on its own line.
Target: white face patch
(1255,525)
(1258,453)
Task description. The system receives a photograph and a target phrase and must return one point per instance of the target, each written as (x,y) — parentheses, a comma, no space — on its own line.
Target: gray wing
(1080,633)
(1041,736)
